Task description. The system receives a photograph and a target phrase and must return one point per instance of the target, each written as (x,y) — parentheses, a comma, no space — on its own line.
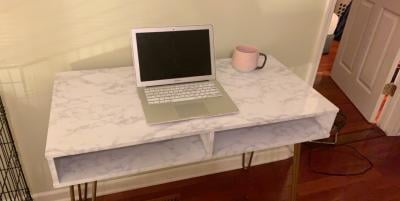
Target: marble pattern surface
(99,109)
(257,138)
(129,160)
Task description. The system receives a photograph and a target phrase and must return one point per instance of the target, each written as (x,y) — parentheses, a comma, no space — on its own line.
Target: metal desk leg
(72,193)
(94,191)
(79,192)
(244,167)
(85,192)
(295,171)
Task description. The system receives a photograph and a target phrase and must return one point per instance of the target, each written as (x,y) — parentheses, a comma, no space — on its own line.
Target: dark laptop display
(173,54)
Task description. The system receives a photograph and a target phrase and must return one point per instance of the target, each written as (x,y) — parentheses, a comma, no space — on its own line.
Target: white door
(367,53)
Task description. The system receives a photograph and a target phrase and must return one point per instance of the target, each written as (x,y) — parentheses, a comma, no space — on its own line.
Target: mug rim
(254,48)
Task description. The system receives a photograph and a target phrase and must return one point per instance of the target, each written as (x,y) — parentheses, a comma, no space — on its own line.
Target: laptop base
(185,110)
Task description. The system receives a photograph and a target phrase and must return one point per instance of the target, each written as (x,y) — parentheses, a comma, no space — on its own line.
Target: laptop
(175,74)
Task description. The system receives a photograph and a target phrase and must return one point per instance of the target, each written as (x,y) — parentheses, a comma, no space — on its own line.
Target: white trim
(320,41)
(135,56)
(172,174)
(389,121)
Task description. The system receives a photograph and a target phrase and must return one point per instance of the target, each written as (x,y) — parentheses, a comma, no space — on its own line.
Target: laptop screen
(173,54)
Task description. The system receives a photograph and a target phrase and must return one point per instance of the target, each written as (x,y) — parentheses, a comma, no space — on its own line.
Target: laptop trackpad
(191,109)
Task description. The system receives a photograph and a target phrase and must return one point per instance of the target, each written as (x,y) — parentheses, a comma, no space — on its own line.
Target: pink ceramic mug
(245,58)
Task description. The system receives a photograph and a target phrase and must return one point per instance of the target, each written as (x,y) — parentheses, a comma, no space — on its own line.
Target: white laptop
(175,74)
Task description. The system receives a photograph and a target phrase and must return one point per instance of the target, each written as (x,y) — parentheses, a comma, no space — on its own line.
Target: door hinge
(390,89)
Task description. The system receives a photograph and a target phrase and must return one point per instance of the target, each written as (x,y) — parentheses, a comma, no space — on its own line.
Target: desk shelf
(100,165)
(129,160)
(70,170)
(243,140)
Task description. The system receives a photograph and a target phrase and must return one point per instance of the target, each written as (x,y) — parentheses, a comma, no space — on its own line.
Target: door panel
(352,44)
(367,52)
(376,53)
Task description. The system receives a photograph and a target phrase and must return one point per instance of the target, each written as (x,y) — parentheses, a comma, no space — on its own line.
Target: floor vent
(175,197)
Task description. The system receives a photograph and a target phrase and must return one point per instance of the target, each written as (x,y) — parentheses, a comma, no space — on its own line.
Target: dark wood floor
(272,181)
(326,63)
(381,183)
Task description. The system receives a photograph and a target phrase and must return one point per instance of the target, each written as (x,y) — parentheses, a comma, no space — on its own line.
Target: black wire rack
(12,180)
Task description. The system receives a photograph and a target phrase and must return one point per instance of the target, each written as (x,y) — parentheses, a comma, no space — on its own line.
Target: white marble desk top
(97,110)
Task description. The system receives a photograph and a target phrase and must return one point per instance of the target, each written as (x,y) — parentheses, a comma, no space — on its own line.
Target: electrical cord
(357,153)
(339,123)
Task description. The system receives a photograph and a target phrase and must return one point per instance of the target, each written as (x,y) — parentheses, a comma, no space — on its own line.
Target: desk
(97,129)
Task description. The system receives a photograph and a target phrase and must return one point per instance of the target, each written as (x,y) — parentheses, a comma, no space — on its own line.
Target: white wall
(39,38)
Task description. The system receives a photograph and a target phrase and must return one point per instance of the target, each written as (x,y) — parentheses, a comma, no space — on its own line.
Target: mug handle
(265,61)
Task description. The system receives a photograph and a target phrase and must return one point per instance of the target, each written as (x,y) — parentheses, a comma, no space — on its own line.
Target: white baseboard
(171,174)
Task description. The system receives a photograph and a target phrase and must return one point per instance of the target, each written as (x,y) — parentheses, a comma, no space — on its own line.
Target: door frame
(320,41)
(389,121)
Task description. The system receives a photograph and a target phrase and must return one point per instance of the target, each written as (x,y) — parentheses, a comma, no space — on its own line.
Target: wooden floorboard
(327,60)
(380,183)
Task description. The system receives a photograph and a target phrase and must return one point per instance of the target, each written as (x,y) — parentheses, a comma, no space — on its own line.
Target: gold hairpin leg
(79,192)
(72,193)
(295,171)
(244,166)
(94,189)
(85,192)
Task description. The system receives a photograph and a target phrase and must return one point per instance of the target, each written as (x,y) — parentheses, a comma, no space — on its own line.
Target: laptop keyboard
(181,92)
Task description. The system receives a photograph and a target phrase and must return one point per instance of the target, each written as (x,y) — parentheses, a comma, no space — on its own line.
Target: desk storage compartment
(243,140)
(129,160)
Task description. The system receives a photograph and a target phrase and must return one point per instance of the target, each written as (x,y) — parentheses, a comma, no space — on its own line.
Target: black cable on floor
(339,123)
(357,153)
